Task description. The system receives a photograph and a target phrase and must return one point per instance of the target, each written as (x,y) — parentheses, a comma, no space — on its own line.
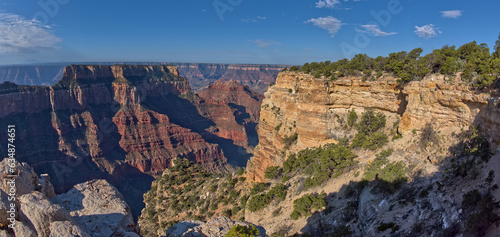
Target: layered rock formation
(126,123)
(235,110)
(257,77)
(94,124)
(200,75)
(316,109)
(94,208)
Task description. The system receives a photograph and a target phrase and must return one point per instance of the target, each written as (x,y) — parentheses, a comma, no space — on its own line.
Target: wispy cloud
(376,30)
(427,31)
(255,19)
(18,35)
(264,43)
(327,3)
(451,14)
(330,3)
(329,23)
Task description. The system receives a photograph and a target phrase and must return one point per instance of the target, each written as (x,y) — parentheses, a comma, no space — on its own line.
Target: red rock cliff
(235,110)
(94,122)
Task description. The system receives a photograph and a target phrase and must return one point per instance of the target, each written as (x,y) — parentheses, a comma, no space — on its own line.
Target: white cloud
(376,31)
(329,23)
(427,31)
(451,14)
(261,17)
(18,35)
(327,3)
(264,43)
(330,3)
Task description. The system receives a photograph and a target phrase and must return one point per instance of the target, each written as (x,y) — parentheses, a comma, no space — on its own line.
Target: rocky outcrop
(215,227)
(37,210)
(98,208)
(94,208)
(316,109)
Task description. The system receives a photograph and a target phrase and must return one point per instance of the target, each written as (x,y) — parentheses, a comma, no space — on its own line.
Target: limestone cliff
(316,109)
(428,124)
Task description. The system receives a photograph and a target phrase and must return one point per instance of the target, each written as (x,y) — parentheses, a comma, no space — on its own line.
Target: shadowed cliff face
(121,123)
(235,111)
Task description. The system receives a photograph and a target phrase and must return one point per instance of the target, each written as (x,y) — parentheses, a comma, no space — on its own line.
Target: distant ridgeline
(471,62)
(200,75)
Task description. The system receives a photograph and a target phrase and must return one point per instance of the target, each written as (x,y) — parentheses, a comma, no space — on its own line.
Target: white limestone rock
(39,212)
(66,229)
(98,208)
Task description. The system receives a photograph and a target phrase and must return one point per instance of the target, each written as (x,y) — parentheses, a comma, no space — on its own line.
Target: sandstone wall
(316,109)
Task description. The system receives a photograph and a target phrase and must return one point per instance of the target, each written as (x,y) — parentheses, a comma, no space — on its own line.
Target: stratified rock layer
(108,122)
(316,109)
(200,75)
(235,110)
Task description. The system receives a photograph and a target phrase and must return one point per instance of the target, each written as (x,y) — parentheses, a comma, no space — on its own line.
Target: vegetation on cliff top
(477,66)
(186,191)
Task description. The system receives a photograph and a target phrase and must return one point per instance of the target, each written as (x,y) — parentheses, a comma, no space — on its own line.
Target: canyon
(200,75)
(126,123)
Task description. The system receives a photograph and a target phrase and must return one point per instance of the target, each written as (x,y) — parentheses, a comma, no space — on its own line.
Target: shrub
(213,188)
(243,231)
(371,122)
(278,191)
(352,117)
(290,140)
(258,202)
(473,144)
(277,128)
(428,136)
(384,226)
(243,201)
(303,206)
(235,210)
(240,172)
(272,172)
(320,163)
(370,142)
(258,187)
(392,174)
(227,212)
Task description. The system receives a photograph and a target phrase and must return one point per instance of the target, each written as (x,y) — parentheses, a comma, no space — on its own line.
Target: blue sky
(236,31)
